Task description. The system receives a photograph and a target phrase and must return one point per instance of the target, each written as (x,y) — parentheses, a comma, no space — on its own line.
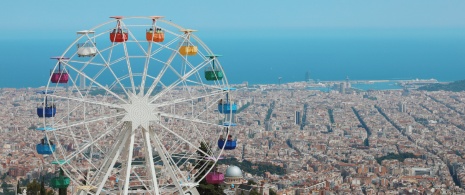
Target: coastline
(363,85)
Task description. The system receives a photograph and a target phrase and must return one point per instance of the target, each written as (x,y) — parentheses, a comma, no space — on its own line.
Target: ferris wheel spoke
(187,63)
(177,82)
(150,57)
(156,80)
(98,84)
(182,138)
(149,161)
(167,64)
(98,137)
(167,162)
(161,73)
(117,80)
(164,46)
(92,120)
(183,77)
(110,160)
(109,105)
(181,100)
(66,117)
(128,62)
(127,174)
(183,158)
(142,182)
(204,85)
(86,63)
(109,64)
(195,120)
(146,67)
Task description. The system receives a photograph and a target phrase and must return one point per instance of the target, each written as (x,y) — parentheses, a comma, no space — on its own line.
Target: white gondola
(87,49)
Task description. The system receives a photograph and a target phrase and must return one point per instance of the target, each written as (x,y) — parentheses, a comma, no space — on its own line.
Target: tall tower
(307,76)
(82,82)
(347,83)
(342,88)
(402,107)
(297,117)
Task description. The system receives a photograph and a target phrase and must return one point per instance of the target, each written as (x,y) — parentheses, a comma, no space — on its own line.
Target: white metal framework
(134,113)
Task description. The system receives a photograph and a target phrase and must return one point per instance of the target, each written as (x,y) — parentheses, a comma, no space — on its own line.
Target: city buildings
(356,148)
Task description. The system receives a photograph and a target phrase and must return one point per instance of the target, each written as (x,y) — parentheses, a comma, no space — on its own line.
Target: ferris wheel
(136,104)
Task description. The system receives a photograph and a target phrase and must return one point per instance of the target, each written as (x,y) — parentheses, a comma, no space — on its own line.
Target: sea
(262,60)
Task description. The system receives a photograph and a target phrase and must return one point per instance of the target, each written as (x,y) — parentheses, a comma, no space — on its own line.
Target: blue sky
(316,35)
(53,18)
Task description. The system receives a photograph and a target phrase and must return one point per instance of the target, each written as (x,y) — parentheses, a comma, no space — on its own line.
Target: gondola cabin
(227,108)
(118,35)
(213,73)
(45,148)
(60,181)
(215,178)
(188,50)
(46,111)
(228,144)
(59,75)
(86,48)
(156,35)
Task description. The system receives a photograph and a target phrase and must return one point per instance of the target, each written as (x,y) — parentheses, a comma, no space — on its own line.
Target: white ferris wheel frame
(126,135)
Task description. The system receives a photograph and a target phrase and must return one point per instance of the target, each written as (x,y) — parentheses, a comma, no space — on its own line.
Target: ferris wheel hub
(139,111)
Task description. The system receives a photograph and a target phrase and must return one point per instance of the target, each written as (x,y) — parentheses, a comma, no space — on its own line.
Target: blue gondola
(230,144)
(45,148)
(47,112)
(226,108)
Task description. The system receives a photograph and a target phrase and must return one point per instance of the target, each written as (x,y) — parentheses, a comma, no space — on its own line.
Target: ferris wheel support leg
(149,161)
(166,163)
(129,162)
(109,164)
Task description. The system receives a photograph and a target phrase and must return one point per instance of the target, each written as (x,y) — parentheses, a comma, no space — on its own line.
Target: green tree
(5,186)
(272,192)
(251,182)
(254,192)
(204,187)
(62,191)
(42,187)
(18,190)
(33,188)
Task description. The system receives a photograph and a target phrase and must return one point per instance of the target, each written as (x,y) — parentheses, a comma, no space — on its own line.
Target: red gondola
(118,34)
(60,75)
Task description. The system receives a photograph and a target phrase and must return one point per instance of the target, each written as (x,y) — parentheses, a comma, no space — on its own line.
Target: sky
(54,18)
(428,34)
